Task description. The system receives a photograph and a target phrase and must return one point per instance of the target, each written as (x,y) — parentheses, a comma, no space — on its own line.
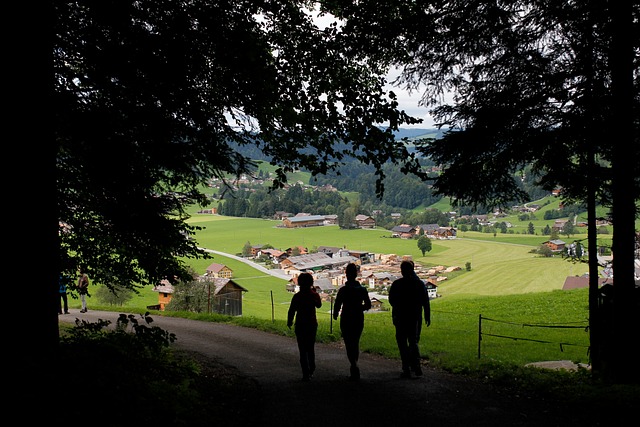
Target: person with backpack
(408,298)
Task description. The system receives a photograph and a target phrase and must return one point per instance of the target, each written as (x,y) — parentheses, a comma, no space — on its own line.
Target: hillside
(414,133)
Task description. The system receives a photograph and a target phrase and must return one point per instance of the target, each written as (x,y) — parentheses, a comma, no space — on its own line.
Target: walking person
(64,301)
(408,298)
(303,309)
(83,290)
(354,300)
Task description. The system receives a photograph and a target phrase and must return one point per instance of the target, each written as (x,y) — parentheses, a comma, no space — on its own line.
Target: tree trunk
(623,364)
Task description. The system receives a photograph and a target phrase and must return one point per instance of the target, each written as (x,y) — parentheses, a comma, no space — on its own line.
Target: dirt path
(278,396)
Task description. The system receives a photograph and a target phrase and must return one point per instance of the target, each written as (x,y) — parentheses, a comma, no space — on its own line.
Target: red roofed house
(219,270)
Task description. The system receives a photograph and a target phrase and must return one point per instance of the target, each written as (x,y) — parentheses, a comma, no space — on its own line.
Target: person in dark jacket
(354,300)
(303,309)
(64,300)
(408,298)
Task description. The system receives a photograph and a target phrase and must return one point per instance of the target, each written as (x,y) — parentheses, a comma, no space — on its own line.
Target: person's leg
(414,349)
(311,350)
(60,305)
(65,300)
(349,335)
(401,340)
(83,299)
(302,349)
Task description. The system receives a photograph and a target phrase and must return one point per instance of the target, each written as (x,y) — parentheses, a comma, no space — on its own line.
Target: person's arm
(427,307)
(392,295)
(316,298)
(337,305)
(292,312)
(366,300)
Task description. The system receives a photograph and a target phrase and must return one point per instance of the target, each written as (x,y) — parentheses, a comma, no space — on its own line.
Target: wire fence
(577,325)
(475,332)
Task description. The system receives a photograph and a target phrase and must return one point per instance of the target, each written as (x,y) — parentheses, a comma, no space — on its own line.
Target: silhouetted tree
(151,99)
(546,84)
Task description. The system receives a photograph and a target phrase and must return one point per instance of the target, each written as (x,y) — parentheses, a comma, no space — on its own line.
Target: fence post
(273,319)
(479,333)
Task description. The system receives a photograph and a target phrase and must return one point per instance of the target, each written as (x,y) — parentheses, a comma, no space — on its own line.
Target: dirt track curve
(381,397)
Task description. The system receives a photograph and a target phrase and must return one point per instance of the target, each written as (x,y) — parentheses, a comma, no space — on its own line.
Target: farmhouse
(576,282)
(404,231)
(559,224)
(379,279)
(435,231)
(330,219)
(376,304)
(219,270)
(429,230)
(555,245)
(273,254)
(303,221)
(365,221)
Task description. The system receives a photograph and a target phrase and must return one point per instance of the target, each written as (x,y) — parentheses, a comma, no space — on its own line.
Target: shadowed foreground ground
(261,375)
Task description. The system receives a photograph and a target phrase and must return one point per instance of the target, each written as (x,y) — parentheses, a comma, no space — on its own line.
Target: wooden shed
(226,297)
(165,291)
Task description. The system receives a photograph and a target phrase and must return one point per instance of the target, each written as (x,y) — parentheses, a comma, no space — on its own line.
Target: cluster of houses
(377,273)
(432,231)
(403,231)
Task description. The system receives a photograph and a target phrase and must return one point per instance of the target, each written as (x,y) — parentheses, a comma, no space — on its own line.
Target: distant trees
(531,229)
(246,250)
(262,202)
(568,229)
(347,220)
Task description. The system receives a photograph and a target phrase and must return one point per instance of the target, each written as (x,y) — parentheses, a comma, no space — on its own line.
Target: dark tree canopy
(151,97)
(543,83)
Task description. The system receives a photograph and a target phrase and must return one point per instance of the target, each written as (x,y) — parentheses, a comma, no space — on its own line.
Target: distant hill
(414,133)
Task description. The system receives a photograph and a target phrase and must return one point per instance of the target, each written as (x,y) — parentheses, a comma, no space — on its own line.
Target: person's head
(351,271)
(407,268)
(305,281)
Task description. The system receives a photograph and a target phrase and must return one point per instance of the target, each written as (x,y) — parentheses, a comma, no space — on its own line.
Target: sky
(409,103)
(406,101)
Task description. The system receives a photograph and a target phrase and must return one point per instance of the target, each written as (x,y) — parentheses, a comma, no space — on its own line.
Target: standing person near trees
(408,298)
(303,308)
(83,290)
(354,300)
(64,300)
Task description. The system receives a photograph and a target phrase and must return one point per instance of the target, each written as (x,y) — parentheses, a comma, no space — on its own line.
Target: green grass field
(507,284)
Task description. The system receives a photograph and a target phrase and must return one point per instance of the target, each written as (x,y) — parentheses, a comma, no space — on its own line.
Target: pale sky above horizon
(406,101)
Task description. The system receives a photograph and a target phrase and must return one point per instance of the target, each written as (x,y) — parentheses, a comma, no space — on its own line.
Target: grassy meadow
(517,293)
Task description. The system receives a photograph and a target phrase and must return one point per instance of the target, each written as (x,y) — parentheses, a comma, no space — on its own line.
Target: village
(377,271)
(327,264)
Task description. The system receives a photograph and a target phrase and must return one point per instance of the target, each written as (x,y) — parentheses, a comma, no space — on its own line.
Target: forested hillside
(403,193)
